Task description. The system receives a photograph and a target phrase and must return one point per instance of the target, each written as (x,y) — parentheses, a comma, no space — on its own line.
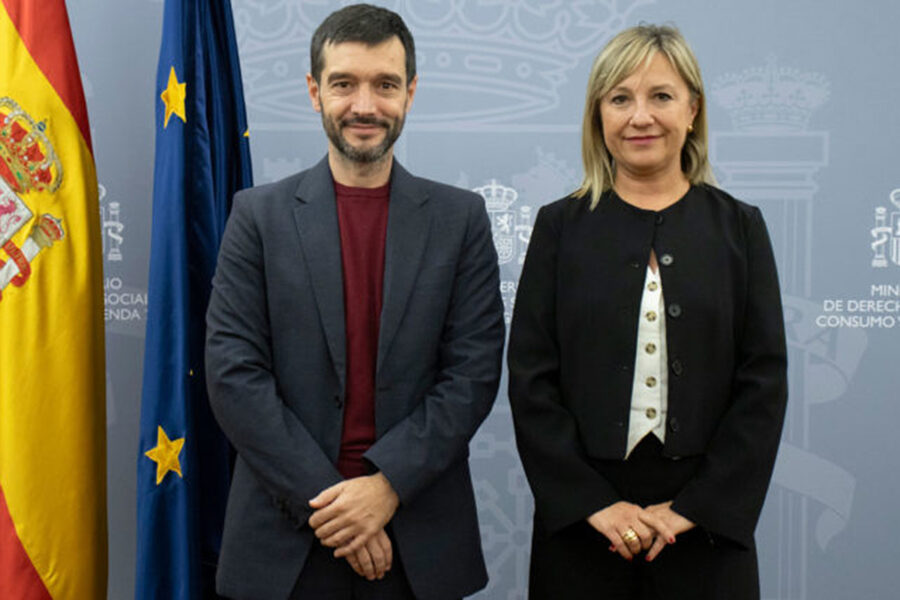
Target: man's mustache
(365,121)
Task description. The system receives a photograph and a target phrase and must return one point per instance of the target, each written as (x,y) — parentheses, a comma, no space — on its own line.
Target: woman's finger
(658,544)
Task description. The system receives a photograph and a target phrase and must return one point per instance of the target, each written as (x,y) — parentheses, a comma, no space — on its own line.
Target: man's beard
(359,155)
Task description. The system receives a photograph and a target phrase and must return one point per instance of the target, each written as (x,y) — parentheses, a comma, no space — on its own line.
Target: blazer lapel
(316,218)
(407,234)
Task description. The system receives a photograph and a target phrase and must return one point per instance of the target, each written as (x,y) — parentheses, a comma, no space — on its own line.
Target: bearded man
(354,346)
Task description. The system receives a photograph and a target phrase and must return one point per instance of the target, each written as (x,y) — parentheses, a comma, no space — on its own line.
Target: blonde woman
(647,355)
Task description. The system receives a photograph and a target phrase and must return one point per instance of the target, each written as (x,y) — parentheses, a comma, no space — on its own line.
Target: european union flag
(202,159)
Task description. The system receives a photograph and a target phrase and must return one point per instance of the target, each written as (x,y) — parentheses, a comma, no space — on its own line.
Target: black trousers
(327,578)
(576,563)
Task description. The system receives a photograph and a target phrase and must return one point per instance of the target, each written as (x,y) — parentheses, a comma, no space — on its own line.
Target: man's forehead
(390,51)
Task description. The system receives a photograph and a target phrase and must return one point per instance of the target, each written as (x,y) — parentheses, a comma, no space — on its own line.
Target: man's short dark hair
(364,23)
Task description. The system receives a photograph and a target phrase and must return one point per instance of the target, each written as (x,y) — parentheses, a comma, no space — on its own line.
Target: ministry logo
(886,232)
(112,227)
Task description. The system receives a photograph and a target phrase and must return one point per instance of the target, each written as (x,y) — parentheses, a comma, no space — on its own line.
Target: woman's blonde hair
(621,56)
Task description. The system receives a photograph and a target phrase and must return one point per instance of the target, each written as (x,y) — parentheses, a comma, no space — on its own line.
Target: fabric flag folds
(52,375)
(202,159)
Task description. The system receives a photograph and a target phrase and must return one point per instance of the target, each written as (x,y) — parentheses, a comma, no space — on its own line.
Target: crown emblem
(488,61)
(497,197)
(28,161)
(771,98)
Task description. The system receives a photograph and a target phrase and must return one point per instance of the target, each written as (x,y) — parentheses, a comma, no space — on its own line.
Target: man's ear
(411,92)
(313,86)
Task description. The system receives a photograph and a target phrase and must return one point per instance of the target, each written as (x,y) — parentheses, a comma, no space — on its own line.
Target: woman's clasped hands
(632,529)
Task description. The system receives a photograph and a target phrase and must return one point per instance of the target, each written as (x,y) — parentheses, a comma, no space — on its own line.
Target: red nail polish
(671,540)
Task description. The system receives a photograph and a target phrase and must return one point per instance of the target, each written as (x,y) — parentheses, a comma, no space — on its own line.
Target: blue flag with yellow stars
(202,159)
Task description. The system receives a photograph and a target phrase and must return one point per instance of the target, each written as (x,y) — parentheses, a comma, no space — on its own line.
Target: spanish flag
(52,399)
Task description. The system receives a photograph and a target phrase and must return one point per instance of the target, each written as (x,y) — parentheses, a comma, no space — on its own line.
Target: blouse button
(652,286)
(674,310)
(650,381)
(677,367)
(651,315)
(666,260)
(651,413)
(660,219)
(650,348)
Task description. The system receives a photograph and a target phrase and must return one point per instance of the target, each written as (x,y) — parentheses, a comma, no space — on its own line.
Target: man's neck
(355,174)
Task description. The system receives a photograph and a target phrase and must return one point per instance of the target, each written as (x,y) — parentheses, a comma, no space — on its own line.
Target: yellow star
(247,133)
(173,97)
(165,455)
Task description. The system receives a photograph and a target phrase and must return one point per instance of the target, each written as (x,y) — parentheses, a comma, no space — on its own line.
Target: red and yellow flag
(52,400)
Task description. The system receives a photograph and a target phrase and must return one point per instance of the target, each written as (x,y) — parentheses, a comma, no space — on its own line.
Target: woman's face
(645,120)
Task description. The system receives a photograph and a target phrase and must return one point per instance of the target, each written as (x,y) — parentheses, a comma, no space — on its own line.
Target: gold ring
(630,536)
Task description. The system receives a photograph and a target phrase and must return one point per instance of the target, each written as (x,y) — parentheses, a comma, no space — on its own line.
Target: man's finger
(323,515)
(388,550)
(377,554)
(353,546)
(365,562)
(354,564)
(330,528)
(326,496)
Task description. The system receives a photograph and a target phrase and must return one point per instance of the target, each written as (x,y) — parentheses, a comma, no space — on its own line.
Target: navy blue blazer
(276,362)
(572,348)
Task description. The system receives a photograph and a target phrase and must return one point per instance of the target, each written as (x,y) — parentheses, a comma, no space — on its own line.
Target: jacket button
(660,219)
(677,367)
(673,424)
(674,310)
(635,264)
(666,260)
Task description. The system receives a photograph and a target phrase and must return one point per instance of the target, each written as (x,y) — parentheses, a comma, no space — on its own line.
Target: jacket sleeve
(242,390)
(435,435)
(727,493)
(566,487)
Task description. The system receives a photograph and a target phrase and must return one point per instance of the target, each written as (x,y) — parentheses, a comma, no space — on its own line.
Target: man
(354,343)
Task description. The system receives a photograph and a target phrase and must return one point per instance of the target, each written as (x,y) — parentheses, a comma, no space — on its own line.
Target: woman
(647,358)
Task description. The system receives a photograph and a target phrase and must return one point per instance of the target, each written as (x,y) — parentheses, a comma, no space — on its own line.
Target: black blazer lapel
(316,217)
(407,234)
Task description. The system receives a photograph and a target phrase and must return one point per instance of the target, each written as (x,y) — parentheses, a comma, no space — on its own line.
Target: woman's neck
(651,193)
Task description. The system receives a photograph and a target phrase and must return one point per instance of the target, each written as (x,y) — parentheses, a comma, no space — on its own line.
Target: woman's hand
(663,513)
(631,529)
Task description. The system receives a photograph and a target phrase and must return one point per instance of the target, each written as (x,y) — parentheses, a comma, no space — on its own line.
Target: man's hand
(663,513)
(631,529)
(374,559)
(349,513)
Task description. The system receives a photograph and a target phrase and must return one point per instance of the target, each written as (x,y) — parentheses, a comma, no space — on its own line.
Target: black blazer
(276,363)
(572,348)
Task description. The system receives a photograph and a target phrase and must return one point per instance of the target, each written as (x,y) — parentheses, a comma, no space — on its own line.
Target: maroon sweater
(362,218)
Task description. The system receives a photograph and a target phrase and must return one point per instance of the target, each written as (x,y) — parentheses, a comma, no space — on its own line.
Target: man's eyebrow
(339,75)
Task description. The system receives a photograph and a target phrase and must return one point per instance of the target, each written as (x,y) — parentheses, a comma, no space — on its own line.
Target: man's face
(363,96)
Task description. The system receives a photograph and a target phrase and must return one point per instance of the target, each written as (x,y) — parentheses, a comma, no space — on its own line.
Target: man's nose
(364,100)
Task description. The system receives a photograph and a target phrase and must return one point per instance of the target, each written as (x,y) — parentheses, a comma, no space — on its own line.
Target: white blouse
(649,390)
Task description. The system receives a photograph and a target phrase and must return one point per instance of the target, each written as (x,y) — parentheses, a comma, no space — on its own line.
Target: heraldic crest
(28,163)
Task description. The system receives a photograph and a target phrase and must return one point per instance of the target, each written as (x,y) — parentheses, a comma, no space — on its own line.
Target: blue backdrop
(804,116)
